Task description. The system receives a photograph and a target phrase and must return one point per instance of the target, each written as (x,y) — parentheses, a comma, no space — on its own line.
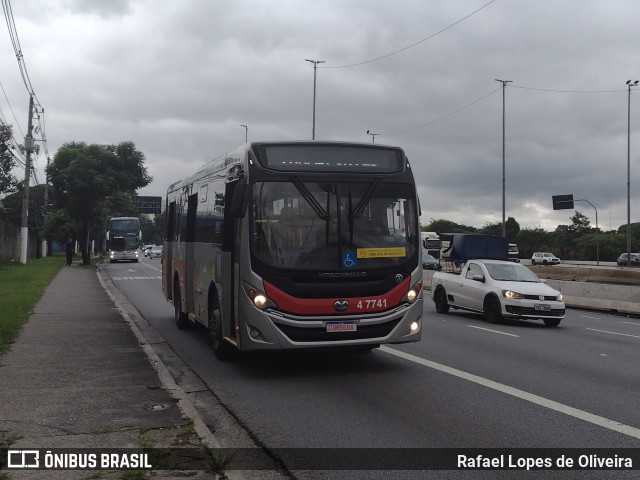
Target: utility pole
(629,84)
(28,148)
(315,68)
(504,225)
(45,244)
(246,133)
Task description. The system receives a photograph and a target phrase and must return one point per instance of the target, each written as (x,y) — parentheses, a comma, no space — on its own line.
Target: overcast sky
(179,77)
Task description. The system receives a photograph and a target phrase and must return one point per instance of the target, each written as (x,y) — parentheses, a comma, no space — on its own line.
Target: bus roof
(240,154)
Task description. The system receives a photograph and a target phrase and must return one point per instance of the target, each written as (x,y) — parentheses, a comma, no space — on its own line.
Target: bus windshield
(333,225)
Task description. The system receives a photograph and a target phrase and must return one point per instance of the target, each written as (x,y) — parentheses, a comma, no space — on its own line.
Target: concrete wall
(10,242)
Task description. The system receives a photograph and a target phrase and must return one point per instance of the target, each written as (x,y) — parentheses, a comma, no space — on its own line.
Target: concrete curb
(167,381)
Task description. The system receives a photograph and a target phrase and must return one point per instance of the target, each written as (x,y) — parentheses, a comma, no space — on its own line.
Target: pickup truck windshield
(333,225)
(511,272)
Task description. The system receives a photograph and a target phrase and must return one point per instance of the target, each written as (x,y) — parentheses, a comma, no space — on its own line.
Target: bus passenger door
(189,290)
(170,238)
(230,281)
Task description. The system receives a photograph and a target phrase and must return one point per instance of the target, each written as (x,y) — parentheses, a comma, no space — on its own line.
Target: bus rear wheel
(179,316)
(221,349)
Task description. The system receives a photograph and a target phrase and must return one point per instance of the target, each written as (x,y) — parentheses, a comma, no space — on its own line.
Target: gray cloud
(178,78)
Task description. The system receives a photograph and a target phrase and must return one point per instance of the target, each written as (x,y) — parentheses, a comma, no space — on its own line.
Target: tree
(531,240)
(447,226)
(84,177)
(512,228)
(580,224)
(8,183)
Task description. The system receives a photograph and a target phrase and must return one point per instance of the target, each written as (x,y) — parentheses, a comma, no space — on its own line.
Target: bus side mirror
(240,200)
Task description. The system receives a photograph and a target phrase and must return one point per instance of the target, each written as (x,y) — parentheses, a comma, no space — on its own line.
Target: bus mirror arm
(240,200)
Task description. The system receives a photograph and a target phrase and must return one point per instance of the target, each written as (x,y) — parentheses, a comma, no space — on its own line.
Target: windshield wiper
(364,200)
(308,196)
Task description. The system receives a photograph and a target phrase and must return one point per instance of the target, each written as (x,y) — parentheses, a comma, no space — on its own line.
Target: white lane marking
(135,278)
(529,397)
(632,323)
(594,318)
(614,333)
(494,331)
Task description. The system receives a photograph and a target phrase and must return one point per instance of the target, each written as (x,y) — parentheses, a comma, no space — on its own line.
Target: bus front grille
(304,334)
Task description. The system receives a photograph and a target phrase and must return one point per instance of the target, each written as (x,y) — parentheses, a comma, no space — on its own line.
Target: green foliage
(447,226)
(12,211)
(8,183)
(536,239)
(21,286)
(580,223)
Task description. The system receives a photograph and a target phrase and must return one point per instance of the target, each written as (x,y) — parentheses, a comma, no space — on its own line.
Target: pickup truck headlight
(560,298)
(511,294)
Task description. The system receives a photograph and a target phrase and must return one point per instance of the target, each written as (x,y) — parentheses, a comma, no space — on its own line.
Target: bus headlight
(413,293)
(260,301)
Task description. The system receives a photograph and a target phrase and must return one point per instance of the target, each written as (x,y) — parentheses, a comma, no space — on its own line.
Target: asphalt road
(467,384)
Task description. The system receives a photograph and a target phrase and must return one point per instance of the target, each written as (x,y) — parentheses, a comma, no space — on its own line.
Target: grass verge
(21,286)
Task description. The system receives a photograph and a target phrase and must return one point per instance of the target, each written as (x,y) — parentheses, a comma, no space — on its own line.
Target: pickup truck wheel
(493,310)
(552,322)
(440,299)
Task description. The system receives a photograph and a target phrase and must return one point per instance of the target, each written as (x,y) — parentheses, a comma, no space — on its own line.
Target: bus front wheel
(221,349)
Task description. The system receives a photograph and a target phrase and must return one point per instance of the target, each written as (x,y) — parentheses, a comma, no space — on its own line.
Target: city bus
(123,237)
(296,245)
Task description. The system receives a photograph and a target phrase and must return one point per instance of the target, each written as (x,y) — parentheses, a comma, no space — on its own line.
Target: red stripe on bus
(325,306)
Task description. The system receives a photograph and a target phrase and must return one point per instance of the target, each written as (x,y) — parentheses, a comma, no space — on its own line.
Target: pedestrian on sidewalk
(69,250)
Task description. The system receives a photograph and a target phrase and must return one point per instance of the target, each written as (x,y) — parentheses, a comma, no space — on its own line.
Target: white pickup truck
(499,289)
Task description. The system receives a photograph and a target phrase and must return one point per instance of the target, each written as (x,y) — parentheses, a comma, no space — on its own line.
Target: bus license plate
(541,307)
(342,327)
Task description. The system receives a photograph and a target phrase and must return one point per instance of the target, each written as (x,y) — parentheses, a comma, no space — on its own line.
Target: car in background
(544,258)
(635,260)
(155,251)
(513,254)
(430,263)
(146,249)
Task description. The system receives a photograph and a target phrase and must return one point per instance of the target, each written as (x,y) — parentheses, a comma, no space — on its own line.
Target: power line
(416,43)
(10,108)
(13,34)
(566,91)
(443,116)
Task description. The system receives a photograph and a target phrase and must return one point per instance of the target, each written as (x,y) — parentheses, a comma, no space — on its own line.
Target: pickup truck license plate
(342,327)
(542,307)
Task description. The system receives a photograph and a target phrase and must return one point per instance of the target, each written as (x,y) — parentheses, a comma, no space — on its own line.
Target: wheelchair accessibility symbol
(349,259)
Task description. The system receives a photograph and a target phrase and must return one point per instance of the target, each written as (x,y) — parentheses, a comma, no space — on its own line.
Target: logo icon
(541,297)
(23,459)
(399,278)
(340,305)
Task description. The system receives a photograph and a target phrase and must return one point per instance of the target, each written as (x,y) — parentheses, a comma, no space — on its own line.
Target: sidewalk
(77,377)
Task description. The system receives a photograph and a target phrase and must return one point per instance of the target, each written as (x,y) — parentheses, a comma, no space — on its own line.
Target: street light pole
(597,244)
(504,87)
(246,130)
(629,84)
(315,68)
(373,135)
